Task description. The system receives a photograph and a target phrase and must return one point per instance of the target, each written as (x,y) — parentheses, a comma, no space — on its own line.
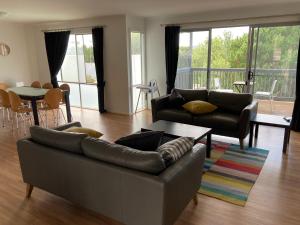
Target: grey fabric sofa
(132,186)
(232,118)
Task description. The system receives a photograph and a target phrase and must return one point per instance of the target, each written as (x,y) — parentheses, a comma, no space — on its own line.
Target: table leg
(286,139)
(251,135)
(68,108)
(208,145)
(35,112)
(256,130)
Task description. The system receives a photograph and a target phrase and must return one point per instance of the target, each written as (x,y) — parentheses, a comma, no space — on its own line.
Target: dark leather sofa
(131,186)
(232,118)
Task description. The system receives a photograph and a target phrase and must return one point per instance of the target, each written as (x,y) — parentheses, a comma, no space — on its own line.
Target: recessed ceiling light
(2,13)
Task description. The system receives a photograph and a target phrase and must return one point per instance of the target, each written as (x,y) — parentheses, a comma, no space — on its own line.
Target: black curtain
(171,53)
(56,47)
(295,124)
(98,57)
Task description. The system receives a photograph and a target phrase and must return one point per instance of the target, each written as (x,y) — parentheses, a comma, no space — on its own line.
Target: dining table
(35,94)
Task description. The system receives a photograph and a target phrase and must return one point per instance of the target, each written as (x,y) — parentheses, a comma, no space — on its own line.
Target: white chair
(218,86)
(151,88)
(268,95)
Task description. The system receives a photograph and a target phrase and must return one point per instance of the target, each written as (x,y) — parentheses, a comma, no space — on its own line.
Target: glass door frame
(143,78)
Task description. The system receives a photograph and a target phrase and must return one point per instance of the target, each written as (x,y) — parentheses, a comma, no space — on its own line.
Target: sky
(201,36)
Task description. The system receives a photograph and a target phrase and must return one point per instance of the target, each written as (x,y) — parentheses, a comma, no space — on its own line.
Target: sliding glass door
(274,63)
(250,59)
(78,70)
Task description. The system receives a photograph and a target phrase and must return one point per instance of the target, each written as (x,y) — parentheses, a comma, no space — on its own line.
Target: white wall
(115,57)
(17,65)
(155,43)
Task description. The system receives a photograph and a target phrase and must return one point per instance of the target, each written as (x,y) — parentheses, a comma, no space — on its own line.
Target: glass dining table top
(28,91)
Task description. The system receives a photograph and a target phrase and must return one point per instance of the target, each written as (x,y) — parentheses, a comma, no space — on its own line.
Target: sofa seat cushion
(218,120)
(175,115)
(145,161)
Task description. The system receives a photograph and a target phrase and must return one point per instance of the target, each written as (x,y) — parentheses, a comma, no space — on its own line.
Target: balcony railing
(196,78)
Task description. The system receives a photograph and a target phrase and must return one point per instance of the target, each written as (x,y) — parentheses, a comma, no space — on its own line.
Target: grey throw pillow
(57,139)
(174,150)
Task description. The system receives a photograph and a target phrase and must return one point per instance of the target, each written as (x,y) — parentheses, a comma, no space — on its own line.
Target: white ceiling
(58,10)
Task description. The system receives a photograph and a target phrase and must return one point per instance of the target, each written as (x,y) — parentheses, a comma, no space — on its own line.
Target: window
(78,70)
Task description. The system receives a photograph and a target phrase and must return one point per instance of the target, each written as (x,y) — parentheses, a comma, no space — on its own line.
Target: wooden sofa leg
(29,189)
(195,199)
(241,143)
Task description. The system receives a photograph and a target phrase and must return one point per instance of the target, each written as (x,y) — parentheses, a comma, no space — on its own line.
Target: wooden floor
(279,107)
(274,199)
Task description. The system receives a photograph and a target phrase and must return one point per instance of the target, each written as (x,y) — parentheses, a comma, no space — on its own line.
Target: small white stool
(151,88)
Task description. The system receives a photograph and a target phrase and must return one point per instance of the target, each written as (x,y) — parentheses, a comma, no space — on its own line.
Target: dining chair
(5,106)
(51,102)
(3,86)
(47,86)
(217,84)
(36,84)
(268,94)
(64,87)
(21,112)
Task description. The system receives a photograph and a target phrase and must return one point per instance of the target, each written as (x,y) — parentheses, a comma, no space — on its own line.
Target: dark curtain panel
(56,47)
(296,112)
(98,57)
(171,52)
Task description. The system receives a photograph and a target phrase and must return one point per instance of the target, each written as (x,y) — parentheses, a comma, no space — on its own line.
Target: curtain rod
(71,28)
(229,20)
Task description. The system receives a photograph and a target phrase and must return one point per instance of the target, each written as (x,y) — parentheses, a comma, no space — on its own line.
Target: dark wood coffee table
(176,130)
(273,121)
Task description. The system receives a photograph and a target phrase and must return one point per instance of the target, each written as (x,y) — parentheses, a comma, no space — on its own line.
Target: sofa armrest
(158,104)
(248,113)
(68,125)
(182,181)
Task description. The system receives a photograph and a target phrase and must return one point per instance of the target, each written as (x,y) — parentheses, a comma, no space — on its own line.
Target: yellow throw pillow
(83,130)
(199,107)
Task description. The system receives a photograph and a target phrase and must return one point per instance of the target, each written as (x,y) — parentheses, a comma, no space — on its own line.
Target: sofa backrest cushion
(57,139)
(149,162)
(192,95)
(231,102)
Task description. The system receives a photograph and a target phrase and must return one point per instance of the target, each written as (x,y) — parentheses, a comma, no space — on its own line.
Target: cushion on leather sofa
(57,139)
(145,161)
(218,120)
(231,102)
(191,95)
(145,141)
(178,115)
(176,100)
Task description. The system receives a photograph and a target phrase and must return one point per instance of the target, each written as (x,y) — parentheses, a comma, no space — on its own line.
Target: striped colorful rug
(230,173)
